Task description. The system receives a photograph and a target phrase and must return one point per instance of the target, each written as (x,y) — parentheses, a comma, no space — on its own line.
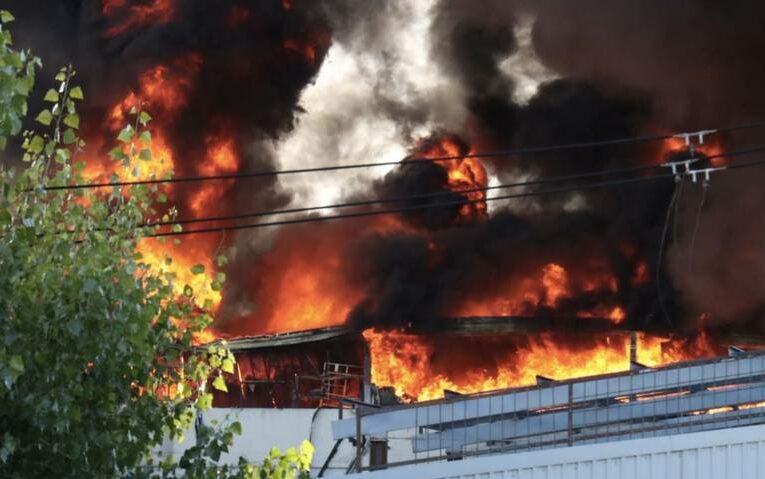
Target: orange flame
(463,173)
(221,158)
(547,287)
(403,361)
(162,91)
(131,16)
(711,147)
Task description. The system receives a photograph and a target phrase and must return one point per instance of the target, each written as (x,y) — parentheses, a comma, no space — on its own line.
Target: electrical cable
(410,208)
(660,255)
(435,205)
(442,194)
(704,188)
(489,154)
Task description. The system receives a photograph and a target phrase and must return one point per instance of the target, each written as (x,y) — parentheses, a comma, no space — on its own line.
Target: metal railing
(683,397)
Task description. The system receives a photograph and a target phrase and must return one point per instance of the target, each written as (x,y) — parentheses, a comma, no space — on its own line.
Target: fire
(221,158)
(307,50)
(306,287)
(547,287)
(162,90)
(711,147)
(131,15)
(641,274)
(554,281)
(463,173)
(183,259)
(414,366)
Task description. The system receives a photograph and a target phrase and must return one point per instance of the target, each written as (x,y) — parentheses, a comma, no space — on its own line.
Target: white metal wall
(733,453)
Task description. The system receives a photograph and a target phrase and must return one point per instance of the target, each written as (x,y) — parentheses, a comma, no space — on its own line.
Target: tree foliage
(17,76)
(97,364)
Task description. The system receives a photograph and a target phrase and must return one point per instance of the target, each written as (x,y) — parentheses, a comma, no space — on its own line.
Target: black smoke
(618,69)
(623,69)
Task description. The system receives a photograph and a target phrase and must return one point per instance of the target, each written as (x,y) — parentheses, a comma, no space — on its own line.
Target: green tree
(97,364)
(17,76)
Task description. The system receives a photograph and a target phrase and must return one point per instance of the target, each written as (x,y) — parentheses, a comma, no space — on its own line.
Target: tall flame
(410,363)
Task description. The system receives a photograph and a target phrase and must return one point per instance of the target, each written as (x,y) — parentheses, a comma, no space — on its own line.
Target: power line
(496,153)
(316,219)
(441,194)
(410,208)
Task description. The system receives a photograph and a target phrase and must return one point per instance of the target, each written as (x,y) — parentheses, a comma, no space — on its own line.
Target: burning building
(435,285)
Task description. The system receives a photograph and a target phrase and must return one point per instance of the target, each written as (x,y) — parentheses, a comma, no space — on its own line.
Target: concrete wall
(733,453)
(263,429)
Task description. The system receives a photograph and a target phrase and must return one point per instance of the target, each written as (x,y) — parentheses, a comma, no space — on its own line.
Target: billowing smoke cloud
(292,83)
(622,70)
(223,81)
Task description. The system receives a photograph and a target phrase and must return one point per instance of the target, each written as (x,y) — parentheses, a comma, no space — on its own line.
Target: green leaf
(72,120)
(127,134)
(76,94)
(117,153)
(89,286)
(45,117)
(146,137)
(144,118)
(220,384)
(62,155)
(198,269)
(205,401)
(145,155)
(51,96)
(16,363)
(69,136)
(236,428)
(6,17)
(36,145)
(227,366)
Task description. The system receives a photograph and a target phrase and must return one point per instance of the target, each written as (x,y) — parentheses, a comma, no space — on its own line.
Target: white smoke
(376,94)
